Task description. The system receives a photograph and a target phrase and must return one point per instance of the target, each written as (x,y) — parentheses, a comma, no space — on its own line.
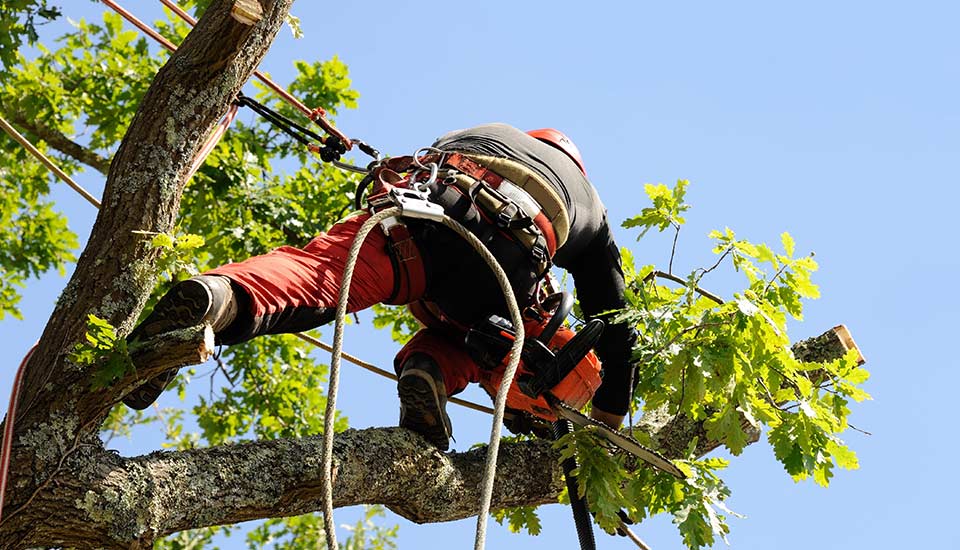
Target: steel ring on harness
(424,185)
(416,156)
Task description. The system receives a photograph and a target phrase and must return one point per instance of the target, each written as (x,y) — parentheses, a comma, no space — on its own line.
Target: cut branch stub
(247,12)
(170,350)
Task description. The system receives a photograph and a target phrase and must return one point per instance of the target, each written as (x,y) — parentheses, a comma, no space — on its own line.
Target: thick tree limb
(114,275)
(127,503)
(171,350)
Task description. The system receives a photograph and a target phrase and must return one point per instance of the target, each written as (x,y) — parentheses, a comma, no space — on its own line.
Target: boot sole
(150,391)
(185,307)
(421,410)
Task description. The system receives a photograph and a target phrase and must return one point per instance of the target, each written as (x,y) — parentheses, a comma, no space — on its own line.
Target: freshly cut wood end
(843,333)
(247,12)
(208,346)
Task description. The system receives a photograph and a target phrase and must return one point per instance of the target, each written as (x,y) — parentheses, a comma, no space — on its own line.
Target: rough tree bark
(65,489)
(58,416)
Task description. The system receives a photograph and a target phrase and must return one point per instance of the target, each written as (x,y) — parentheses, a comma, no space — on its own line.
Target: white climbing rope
(500,401)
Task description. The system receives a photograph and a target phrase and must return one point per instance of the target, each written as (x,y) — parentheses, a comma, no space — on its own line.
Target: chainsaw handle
(560,311)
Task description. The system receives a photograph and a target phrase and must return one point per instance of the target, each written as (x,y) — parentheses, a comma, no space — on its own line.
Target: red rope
(140,25)
(317,114)
(214,138)
(8,427)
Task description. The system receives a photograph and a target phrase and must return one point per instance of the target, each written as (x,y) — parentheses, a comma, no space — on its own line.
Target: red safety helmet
(560,140)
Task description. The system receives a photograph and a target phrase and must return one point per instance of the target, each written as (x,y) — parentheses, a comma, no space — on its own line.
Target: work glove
(522,422)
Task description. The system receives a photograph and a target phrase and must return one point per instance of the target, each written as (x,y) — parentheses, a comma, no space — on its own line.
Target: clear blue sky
(836,121)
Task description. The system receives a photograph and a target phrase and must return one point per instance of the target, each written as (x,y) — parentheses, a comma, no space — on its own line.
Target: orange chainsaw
(558,372)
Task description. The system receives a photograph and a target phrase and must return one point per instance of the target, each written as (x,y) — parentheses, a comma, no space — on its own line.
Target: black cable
(581,515)
(290,127)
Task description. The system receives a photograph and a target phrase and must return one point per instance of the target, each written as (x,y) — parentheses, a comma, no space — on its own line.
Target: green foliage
(276,390)
(403,325)
(188,540)
(725,364)
(18,25)
(666,211)
(306,533)
(177,255)
(612,484)
(35,236)
(102,347)
(519,519)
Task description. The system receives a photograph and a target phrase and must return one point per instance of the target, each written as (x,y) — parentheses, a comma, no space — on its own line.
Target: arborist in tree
(525,195)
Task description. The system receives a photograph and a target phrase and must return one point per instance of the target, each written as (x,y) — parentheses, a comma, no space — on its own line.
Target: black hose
(581,515)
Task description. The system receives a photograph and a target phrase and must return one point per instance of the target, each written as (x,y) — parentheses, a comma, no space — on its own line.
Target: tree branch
(128,503)
(60,142)
(672,434)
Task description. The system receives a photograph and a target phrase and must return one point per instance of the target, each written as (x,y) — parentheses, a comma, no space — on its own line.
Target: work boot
(201,299)
(423,400)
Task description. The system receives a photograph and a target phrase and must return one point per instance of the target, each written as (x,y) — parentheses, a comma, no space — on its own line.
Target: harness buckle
(507,213)
(415,204)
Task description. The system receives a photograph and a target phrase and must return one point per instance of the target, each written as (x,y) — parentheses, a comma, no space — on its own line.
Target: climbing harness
(572,371)
(513,209)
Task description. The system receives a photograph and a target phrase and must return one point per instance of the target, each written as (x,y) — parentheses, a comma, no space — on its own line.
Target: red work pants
(292,289)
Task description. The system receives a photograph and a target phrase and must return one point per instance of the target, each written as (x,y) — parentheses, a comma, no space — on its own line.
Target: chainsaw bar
(618,438)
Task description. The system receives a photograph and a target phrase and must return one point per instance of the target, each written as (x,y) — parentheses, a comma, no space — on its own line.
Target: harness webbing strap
(412,283)
(481,173)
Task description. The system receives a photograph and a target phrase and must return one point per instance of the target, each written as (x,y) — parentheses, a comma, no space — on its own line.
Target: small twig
(828,390)
(684,331)
(683,390)
(223,369)
(716,265)
(633,371)
(852,427)
(673,249)
(770,397)
(786,378)
(678,280)
(266,398)
(775,277)
(160,415)
(630,535)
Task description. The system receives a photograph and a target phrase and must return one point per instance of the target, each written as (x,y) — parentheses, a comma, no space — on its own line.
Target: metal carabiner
(368,150)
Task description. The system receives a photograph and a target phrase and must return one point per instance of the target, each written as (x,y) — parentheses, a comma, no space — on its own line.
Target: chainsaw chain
(626,442)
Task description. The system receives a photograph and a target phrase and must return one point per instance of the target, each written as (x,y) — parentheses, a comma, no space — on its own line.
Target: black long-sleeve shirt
(589,253)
